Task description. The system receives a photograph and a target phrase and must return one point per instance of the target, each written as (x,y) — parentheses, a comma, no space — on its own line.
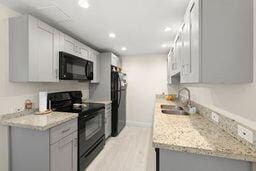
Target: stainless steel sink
(168,107)
(174,112)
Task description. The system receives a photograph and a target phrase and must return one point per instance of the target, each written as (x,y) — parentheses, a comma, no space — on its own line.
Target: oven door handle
(88,117)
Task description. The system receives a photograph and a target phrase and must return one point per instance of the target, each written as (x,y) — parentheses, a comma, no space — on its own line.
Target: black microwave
(74,68)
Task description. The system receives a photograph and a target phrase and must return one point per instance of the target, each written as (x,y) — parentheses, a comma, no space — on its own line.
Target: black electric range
(91,123)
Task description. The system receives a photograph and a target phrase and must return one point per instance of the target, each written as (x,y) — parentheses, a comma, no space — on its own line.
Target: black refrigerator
(118,97)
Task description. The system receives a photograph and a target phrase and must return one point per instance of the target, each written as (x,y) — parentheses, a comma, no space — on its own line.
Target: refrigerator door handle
(120,94)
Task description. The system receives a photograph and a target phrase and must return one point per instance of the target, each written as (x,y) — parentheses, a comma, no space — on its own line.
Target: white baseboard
(139,124)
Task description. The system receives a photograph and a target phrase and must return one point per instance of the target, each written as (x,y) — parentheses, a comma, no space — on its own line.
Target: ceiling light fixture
(164,45)
(112,35)
(167,29)
(84,3)
(123,48)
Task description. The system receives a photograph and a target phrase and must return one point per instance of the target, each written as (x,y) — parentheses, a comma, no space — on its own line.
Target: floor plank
(131,150)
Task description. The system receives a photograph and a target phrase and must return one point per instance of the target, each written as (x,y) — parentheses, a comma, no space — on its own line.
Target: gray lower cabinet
(180,161)
(108,115)
(64,153)
(51,150)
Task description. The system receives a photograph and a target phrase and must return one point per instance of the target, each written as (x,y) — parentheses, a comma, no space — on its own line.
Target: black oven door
(72,67)
(91,129)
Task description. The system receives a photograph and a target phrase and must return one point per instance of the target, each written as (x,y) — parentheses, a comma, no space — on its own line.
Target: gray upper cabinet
(74,47)
(190,63)
(116,61)
(217,42)
(84,52)
(68,44)
(169,64)
(94,57)
(34,48)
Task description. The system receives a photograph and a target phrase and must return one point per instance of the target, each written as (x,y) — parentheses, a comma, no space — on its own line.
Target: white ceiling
(138,24)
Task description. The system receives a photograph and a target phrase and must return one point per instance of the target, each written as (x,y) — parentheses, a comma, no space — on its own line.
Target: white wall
(146,76)
(238,101)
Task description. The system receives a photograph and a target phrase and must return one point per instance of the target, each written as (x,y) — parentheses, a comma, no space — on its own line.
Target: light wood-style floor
(131,150)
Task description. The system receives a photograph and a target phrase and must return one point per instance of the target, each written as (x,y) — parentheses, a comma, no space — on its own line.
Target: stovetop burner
(72,102)
(87,108)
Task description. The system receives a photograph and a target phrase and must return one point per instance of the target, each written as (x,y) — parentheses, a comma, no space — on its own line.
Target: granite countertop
(105,102)
(196,134)
(37,122)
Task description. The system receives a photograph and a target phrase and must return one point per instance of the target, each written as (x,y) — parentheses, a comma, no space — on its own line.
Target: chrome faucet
(188,91)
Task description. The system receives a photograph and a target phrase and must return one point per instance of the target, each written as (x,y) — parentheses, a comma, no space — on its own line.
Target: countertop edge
(198,151)
(38,128)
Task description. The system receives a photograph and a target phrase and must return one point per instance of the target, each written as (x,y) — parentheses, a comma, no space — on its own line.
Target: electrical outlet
(245,133)
(215,117)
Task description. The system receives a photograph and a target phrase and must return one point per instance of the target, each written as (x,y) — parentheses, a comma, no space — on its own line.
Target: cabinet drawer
(63,130)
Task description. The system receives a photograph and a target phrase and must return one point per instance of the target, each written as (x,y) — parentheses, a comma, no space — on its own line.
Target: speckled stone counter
(195,134)
(37,122)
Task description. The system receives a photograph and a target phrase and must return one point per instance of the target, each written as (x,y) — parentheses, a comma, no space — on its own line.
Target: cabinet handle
(66,130)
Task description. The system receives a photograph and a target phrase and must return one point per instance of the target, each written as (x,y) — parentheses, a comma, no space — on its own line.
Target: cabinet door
(178,54)
(174,57)
(169,68)
(43,52)
(69,45)
(94,58)
(185,59)
(114,60)
(194,43)
(97,67)
(107,124)
(119,62)
(84,52)
(172,60)
(75,148)
(191,56)
(64,154)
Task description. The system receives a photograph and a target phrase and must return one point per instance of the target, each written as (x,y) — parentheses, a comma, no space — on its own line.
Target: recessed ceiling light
(112,35)
(84,3)
(123,48)
(167,29)
(164,45)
